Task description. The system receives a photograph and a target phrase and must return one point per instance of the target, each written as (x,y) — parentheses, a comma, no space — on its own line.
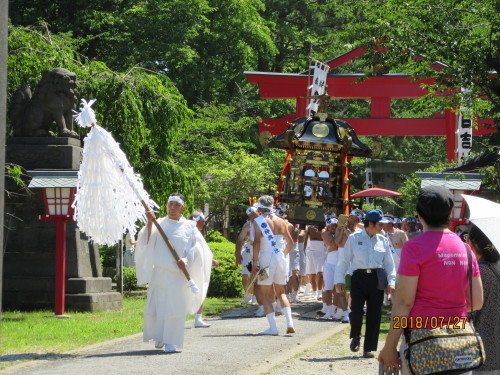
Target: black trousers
(364,289)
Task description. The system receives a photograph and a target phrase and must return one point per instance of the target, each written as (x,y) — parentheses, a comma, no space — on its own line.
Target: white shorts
(277,268)
(246,257)
(294,258)
(315,261)
(349,269)
(302,259)
(329,270)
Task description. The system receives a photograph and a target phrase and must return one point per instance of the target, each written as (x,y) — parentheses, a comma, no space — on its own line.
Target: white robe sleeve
(144,255)
(199,269)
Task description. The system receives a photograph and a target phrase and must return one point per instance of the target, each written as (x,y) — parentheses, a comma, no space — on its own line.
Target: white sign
(369,184)
(464,137)
(319,85)
(464,130)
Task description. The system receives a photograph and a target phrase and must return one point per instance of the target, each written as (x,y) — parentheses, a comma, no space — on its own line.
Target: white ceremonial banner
(319,85)
(464,137)
(369,183)
(464,130)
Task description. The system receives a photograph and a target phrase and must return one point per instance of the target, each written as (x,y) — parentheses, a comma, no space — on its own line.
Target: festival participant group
(353,264)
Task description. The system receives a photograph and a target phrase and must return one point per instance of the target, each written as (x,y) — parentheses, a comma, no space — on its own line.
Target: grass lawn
(40,332)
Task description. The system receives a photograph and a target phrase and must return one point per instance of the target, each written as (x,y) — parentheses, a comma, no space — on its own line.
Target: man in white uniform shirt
(369,255)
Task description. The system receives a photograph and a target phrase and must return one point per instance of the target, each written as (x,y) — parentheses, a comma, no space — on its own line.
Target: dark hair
(434,205)
(435,219)
(483,244)
(366,221)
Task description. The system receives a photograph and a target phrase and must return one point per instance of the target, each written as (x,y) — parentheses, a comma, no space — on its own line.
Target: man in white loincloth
(315,253)
(272,243)
(341,235)
(328,235)
(294,267)
(169,299)
(244,252)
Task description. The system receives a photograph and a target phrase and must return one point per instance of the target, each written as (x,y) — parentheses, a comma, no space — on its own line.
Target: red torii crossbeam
(380,90)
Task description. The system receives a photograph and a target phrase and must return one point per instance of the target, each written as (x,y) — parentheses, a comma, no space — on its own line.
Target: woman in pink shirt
(432,287)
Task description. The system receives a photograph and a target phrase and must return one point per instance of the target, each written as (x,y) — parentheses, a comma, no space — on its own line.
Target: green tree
(143,110)
(221,148)
(463,35)
(202,45)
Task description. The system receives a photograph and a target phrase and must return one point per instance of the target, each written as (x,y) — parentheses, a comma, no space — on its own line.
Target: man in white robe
(169,298)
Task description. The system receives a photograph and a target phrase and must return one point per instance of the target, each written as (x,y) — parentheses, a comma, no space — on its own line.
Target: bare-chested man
(271,233)
(243,255)
(315,253)
(328,235)
(412,226)
(341,235)
(294,265)
(304,280)
(396,237)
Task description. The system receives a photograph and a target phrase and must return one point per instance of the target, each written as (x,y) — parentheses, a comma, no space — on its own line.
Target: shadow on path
(31,356)
(346,358)
(131,353)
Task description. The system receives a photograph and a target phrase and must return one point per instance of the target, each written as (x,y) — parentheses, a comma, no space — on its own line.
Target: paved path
(230,346)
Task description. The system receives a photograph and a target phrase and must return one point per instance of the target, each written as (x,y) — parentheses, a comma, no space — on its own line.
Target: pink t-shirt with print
(439,259)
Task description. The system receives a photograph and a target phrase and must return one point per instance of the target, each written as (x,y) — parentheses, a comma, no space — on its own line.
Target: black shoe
(355,343)
(368,355)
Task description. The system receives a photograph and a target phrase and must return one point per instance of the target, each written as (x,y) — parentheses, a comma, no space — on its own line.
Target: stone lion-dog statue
(54,99)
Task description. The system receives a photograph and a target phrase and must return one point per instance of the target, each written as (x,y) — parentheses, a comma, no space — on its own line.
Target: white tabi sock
(287,311)
(338,314)
(277,307)
(273,329)
(329,312)
(199,323)
(254,300)
(323,309)
(308,289)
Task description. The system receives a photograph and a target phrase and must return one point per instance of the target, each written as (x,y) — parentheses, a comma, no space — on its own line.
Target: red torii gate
(380,90)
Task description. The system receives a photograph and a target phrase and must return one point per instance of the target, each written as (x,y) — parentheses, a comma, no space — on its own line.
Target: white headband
(200,217)
(251,210)
(177,199)
(331,221)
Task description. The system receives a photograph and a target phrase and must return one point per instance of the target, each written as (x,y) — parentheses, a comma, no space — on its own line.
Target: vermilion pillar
(345,182)
(60,271)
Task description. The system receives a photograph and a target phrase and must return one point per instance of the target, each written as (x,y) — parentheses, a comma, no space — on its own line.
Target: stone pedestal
(44,153)
(29,258)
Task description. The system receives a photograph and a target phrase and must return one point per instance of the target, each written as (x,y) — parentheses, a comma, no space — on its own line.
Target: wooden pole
(119,267)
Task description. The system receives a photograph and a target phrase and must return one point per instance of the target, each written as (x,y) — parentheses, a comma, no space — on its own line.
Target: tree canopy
(169,82)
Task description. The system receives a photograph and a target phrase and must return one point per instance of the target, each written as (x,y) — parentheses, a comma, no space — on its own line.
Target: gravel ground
(331,356)
(230,346)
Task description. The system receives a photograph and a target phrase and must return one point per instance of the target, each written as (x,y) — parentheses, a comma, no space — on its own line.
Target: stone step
(88,285)
(90,302)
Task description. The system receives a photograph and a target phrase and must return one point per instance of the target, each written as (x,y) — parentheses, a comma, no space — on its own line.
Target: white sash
(252,231)
(391,246)
(267,233)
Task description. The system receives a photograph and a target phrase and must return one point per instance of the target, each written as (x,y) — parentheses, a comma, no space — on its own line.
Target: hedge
(226,279)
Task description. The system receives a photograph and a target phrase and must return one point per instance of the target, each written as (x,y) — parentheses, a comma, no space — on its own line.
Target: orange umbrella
(375,192)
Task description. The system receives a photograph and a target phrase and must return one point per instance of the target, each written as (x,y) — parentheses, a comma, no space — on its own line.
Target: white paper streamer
(109,193)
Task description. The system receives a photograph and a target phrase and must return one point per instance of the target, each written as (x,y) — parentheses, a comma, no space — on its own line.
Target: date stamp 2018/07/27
(429,322)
